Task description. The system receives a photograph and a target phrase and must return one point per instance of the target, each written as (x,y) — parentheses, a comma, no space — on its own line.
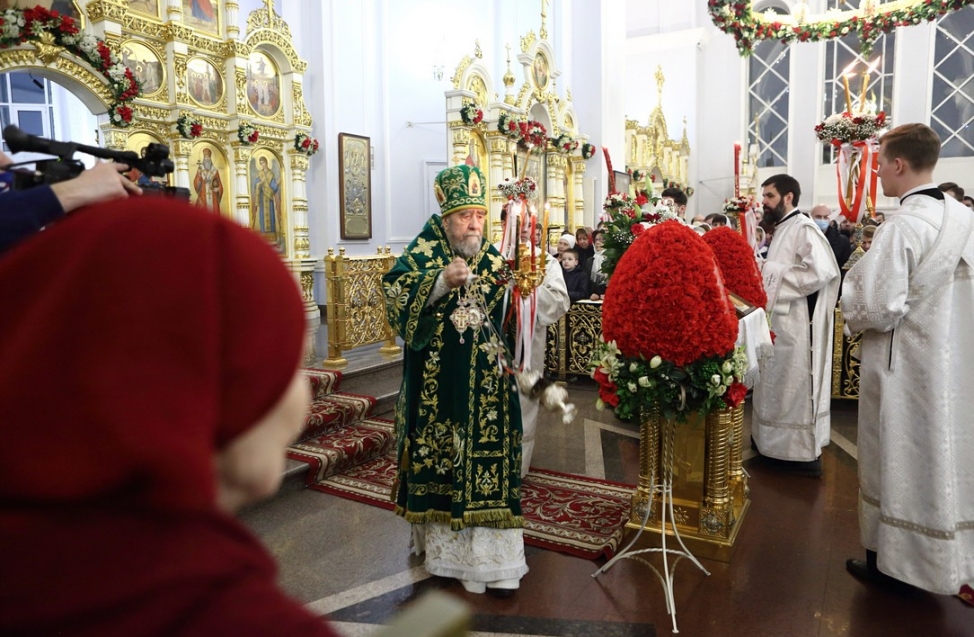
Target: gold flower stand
(692,486)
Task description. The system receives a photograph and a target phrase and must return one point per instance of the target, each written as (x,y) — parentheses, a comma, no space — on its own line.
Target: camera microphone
(21,142)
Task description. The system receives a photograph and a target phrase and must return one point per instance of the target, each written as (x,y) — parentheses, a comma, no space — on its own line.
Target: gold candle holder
(526,277)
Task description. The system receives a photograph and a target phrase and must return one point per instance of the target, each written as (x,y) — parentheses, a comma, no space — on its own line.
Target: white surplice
(552,304)
(912,296)
(791,401)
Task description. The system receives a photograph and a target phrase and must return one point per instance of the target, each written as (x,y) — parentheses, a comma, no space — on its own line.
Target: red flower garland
(667,298)
(737,265)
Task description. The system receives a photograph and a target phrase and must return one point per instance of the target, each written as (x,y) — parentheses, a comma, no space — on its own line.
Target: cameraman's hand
(102,182)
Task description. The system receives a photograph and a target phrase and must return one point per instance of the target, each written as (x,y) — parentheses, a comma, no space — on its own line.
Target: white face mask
(823,224)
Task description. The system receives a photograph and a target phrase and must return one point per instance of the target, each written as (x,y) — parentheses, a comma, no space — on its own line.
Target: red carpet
(571,514)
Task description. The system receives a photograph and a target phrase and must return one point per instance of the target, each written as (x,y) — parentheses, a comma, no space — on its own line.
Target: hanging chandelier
(871,19)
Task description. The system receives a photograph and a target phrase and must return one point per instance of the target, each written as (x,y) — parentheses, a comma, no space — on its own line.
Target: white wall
(371,73)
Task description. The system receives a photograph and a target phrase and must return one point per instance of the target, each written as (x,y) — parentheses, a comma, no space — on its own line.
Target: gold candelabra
(529,269)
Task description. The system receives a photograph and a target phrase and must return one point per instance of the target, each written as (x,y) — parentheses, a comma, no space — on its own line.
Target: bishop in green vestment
(458,420)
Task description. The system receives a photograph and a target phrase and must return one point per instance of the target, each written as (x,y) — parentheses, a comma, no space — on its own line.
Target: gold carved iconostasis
(556,168)
(650,152)
(227,99)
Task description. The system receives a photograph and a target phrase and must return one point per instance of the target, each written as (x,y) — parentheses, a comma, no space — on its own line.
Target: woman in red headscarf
(149,362)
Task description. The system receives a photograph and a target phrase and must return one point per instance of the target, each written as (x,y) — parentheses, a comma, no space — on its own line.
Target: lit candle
(865,85)
(517,237)
(533,222)
(737,169)
(848,93)
(544,235)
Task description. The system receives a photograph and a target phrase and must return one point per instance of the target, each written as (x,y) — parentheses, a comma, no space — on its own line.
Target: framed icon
(204,82)
(210,183)
(263,85)
(145,65)
(540,71)
(266,195)
(146,7)
(203,15)
(355,186)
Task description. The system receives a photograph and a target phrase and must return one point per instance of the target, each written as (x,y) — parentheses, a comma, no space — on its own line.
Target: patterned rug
(571,514)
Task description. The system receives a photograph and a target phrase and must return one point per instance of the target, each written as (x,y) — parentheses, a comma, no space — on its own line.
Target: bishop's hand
(456,273)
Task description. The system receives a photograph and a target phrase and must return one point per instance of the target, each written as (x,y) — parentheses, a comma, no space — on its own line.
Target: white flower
(599,404)
(633,367)
(715,379)
(632,387)
(117,72)
(644,381)
(721,390)
(727,367)
(655,362)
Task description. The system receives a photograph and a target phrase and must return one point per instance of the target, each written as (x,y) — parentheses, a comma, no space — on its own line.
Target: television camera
(153,162)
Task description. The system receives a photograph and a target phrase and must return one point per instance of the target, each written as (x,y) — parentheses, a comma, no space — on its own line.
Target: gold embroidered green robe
(458,423)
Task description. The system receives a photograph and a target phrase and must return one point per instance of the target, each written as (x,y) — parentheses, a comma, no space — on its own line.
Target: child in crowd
(576,279)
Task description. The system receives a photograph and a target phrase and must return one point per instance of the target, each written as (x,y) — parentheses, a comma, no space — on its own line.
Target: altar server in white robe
(791,402)
(912,296)
(552,304)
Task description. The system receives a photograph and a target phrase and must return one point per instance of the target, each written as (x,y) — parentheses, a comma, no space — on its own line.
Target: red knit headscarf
(135,343)
(137,339)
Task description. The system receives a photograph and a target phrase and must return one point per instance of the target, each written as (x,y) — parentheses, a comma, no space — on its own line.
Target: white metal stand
(665,491)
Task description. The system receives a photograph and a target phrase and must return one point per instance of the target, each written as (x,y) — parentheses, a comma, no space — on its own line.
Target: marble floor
(350,561)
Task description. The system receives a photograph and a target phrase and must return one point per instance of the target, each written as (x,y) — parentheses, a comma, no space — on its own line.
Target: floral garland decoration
(44,27)
(624,225)
(737,265)
(306,144)
(564,143)
(738,205)
(471,114)
(510,125)
(247,134)
(516,189)
(846,128)
(188,126)
(686,190)
(534,134)
(736,18)
(638,176)
(588,150)
(669,277)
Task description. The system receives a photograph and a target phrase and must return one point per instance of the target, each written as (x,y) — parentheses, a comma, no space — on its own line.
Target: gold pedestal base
(700,460)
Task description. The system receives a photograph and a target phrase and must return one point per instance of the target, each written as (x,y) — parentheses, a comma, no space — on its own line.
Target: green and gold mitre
(460,187)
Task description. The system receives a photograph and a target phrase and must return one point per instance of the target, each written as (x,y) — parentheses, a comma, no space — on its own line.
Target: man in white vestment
(791,402)
(912,297)
(552,304)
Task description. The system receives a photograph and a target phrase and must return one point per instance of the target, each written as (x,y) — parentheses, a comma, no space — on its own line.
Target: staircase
(350,420)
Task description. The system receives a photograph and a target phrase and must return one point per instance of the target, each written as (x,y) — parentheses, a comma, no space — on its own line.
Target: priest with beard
(801,277)
(458,421)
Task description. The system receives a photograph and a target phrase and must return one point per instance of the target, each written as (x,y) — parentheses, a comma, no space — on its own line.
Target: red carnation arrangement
(737,265)
(669,329)
(668,299)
